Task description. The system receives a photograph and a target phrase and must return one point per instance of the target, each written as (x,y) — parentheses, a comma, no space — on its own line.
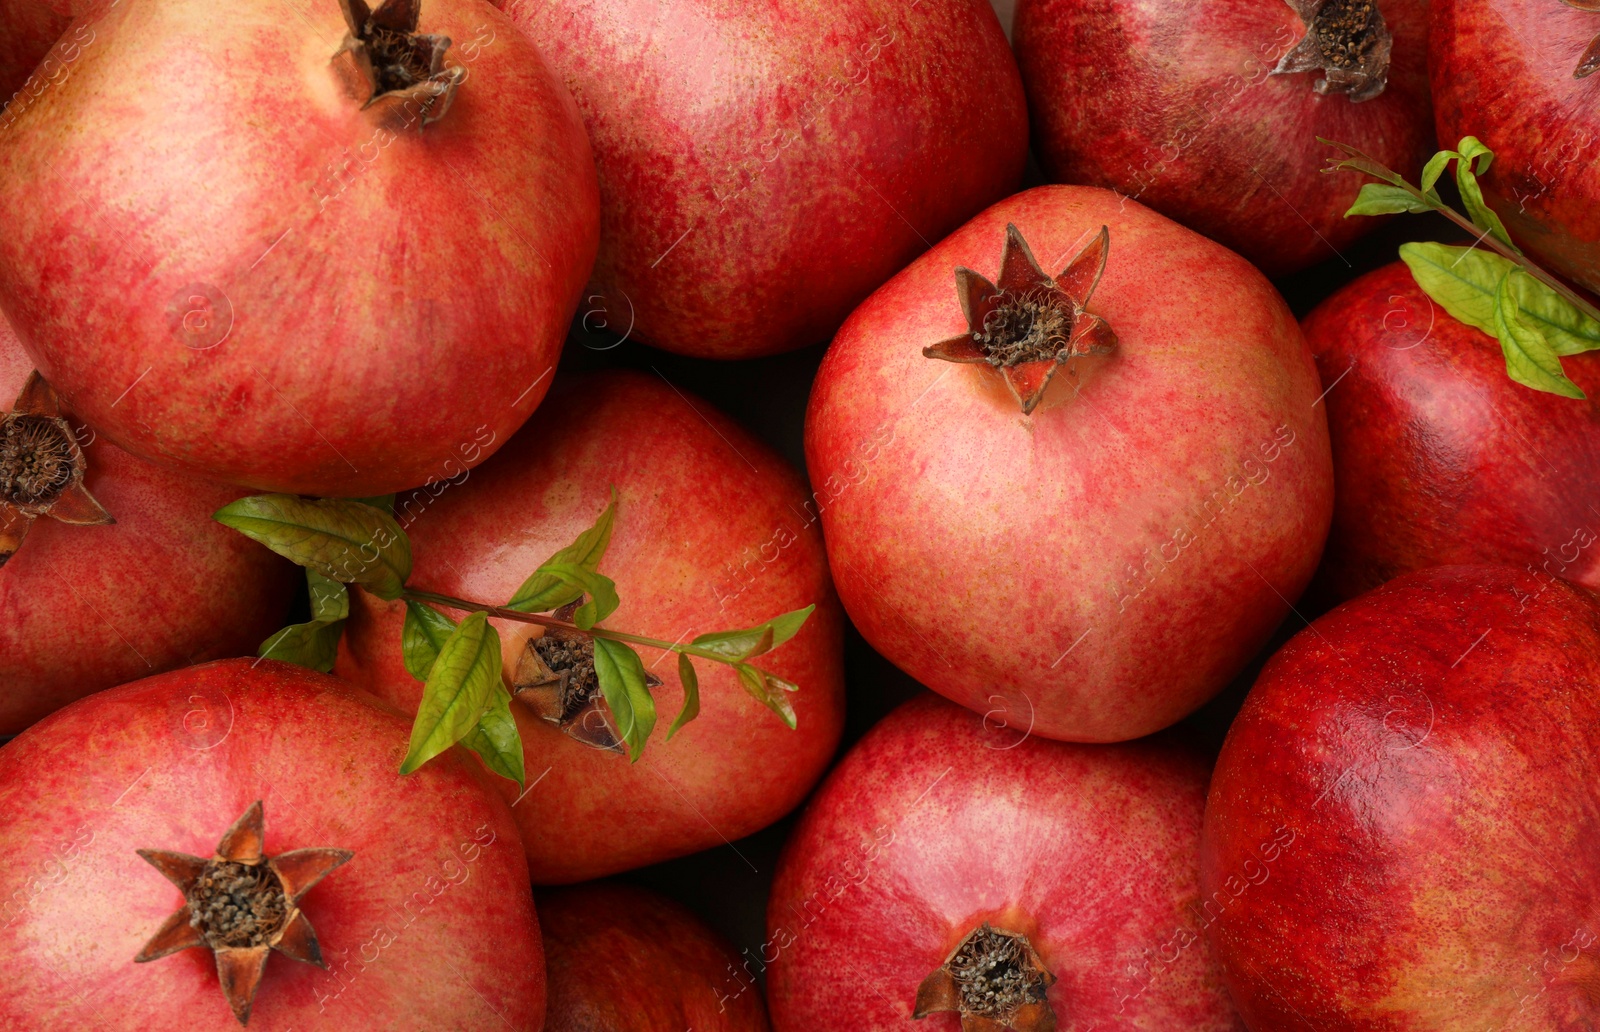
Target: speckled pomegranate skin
(765,164)
(1107,564)
(624,959)
(940,820)
(87,608)
(341,307)
(1502,71)
(1401,831)
(1175,104)
(1439,458)
(430,925)
(710,535)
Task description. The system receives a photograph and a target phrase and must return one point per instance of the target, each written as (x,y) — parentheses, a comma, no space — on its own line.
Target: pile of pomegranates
(800,516)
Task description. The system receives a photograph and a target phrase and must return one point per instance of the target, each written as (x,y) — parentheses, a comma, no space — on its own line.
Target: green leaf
(1471,195)
(423,635)
(343,540)
(756,640)
(1530,359)
(459,689)
(602,592)
(691,694)
(1359,161)
(314,645)
(496,739)
(1462,279)
(544,591)
(1383,199)
(330,600)
(768,690)
(1564,326)
(1435,168)
(622,682)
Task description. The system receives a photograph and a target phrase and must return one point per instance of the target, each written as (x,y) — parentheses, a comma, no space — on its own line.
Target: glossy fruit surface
(429,924)
(623,959)
(1108,562)
(1503,70)
(939,821)
(1400,831)
(709,535)
(87,608)
(765,165)
(1439,458)
(355,303)
(1178,106)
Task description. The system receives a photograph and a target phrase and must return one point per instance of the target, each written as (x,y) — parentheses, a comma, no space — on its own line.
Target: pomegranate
(1514,74)
(84,608)
(708,535)
(621,957)
(822,144)
(1438,457)
(1210,113)
(372,288)
(31,59)
(952,863)
(1399,832)
(1108,559)
(160,841)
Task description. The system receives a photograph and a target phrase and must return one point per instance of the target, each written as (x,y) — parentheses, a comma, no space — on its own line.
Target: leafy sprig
(1537,318)
(342,542)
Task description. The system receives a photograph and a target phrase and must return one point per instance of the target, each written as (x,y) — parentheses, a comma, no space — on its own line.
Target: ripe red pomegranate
(621,957)
(1400,828)
(1514,73)
(421,917)
(1110,560)
(944,840)
(360,299)
(710,535)
(1438,457)
(764,166)
(84,608)
(1210,113)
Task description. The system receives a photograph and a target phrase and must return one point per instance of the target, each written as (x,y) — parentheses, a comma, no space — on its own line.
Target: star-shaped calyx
(995,980)
(556,679)
(1026,324)
(41,468)
(242,904)
(1591,54)
(398,62)
(1348,41)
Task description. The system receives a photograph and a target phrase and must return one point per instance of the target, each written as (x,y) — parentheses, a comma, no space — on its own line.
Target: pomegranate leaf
(496,740)
(627,693)
(343,540)
(423,635)
(691,694)
(768,690)
(544,591)
(459,688)
(755,641)
(1529,357)
(314,645)
(1384,199)
(330,600)
(602,598)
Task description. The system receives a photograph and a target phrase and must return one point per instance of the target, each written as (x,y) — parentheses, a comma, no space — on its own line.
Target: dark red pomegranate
(134,889)
(1210,113)
(1438,457)
(1401,828)
(624,959)
(84,608)
(709,535)
(952,865)
(764,166)
(1099,513)
(362,297)
(1517,75)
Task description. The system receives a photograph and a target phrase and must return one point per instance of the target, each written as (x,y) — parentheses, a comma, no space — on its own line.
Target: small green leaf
(330,600)
(343,540)
(1462,279)
(768,690)
(1383,199)
(314,645)
(423,635)
(544,591)
(1471,194)
(622,682)
(756,640)
(1564,326)
(602,592)
(1530,359)
(1435,168)
(1358,161)
(496,739)
(459,689)
(691,695)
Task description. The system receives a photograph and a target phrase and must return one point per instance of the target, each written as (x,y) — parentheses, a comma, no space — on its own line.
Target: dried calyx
(995,980)
(401,65)
(1346,40)
(242,904)
(1590,60)
(41,468)
(556,679)
(1027,324)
